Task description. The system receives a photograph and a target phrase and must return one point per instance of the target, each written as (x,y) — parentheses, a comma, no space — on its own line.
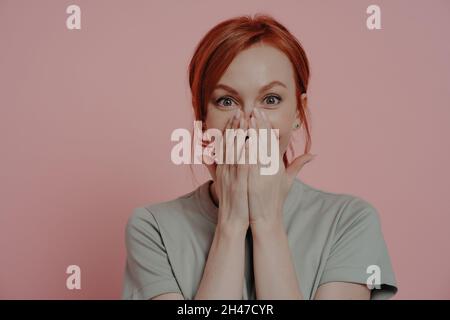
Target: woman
(243,235)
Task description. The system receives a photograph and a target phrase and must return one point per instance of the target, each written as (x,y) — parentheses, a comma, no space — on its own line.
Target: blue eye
(227,103)
(271,98)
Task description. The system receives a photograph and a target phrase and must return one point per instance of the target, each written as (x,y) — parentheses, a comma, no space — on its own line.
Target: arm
(272,257)
(342,290)
(168,296)
(225,261)
(275,276)
(223,276)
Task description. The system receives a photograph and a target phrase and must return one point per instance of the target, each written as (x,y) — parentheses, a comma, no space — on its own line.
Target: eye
(273,99)
(227,102)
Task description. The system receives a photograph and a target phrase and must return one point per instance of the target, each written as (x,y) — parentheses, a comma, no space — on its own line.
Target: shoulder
(149,216)
(343,208)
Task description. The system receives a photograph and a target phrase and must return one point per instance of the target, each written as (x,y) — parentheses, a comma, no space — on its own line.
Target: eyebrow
(264,88)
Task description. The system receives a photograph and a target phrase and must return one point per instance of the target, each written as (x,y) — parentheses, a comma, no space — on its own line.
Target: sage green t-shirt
(332,237)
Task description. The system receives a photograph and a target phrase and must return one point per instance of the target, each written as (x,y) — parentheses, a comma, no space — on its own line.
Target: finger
(297,164)
(253,134)
(269,125)
(243,168)
(254,158)
(262,123)
(262,133)
(222,144)
(241,155)
(231,143)
(234,141)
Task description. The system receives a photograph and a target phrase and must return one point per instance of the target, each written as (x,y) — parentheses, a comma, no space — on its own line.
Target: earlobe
(297,122)
(304,102)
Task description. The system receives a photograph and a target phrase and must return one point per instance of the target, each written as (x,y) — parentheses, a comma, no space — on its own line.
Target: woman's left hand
(267,193)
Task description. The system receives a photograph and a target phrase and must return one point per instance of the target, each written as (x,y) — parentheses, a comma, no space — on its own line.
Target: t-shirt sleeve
(148,272)
(359,253)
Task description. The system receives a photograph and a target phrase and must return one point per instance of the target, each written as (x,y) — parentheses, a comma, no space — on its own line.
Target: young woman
(243,235)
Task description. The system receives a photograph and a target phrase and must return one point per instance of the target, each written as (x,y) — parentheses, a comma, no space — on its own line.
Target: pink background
(86,118)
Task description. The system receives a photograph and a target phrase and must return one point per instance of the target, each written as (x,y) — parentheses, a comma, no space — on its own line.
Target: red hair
(222,43)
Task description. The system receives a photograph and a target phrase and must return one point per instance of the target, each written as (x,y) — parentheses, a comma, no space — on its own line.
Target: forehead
(258,65)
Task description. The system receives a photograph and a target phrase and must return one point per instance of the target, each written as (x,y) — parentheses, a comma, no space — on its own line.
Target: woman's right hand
(231,182)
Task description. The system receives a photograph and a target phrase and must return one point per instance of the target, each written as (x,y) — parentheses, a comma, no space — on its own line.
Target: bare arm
(272,257)
(169,296)
(275,276)
(342,290)
(223,276)
(327,291)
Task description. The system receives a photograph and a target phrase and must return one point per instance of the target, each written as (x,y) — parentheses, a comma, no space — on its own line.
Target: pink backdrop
(86,118)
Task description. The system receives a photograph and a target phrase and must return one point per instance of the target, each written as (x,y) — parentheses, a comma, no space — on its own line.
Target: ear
(297,117)
(304,100)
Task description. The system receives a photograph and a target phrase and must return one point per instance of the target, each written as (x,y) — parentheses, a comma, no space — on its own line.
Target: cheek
(285,138)
(283,122)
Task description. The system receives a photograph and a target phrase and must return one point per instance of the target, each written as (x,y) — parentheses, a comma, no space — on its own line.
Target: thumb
(297,164)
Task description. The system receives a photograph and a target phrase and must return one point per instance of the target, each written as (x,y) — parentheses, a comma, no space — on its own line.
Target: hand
(267,193)
(231,183)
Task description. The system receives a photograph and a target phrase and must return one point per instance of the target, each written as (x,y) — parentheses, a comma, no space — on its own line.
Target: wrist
(231,229)
(267,228)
